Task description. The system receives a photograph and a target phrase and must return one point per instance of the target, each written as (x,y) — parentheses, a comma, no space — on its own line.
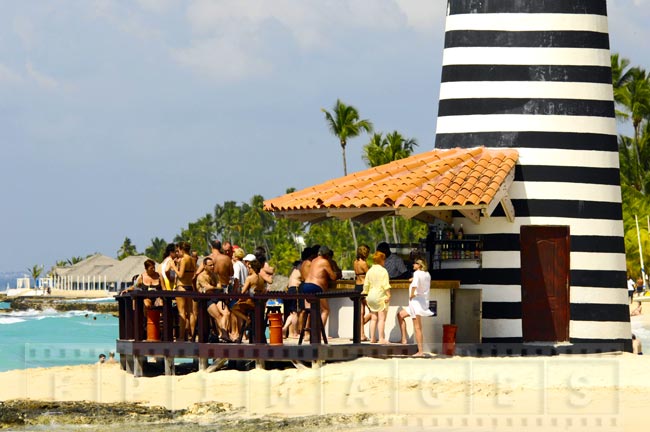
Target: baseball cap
(249,257)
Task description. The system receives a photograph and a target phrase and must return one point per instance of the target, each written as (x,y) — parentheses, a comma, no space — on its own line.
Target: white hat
(249,257)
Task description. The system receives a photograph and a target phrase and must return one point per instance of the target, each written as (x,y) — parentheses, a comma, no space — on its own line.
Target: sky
(131,118)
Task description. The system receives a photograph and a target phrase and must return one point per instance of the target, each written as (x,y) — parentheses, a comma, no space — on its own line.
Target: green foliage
(344,123)
(632,96)
(127,249)
(35,272)
(157,249)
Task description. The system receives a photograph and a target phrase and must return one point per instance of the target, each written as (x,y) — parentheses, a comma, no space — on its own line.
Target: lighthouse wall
(536,75)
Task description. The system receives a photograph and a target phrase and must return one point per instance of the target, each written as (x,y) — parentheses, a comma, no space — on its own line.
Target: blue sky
(132,118)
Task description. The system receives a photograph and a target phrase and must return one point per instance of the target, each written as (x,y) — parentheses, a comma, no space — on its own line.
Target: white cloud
(221,29)
(157,6)
(40,78)
(8,76)
(424,16)
(25,30)
(223,59)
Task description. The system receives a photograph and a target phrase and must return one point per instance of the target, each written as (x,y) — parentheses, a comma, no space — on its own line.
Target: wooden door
(545,283)
(467,315)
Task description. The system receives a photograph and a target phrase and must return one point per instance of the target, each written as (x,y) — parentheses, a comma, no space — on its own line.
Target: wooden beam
(472,215)
(508,208)
(501,193)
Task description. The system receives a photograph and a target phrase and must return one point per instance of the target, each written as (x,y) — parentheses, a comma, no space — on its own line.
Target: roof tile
(432,179)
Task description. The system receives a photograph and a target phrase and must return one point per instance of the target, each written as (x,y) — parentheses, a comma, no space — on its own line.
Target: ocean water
(50,338)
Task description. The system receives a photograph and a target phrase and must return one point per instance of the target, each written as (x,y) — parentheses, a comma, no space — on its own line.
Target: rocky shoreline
(59,304)
(29,414)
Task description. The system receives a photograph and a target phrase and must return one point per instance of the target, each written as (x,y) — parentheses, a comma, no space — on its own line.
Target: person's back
(223,268)
(320,272)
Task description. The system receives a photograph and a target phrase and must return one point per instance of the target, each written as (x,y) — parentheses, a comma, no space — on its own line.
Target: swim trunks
(311,288)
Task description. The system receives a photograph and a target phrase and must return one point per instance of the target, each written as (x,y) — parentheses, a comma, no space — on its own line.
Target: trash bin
(449,339)
(275,328)
(153,325)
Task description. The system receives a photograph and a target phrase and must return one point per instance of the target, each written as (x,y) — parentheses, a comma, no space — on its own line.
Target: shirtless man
(222,264)
(206,282)
(320,274)
(227,248)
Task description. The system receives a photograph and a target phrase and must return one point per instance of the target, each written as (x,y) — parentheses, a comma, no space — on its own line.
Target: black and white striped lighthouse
(535,75)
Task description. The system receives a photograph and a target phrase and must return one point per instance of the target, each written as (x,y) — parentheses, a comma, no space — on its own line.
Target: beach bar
(526,161)
(138,341)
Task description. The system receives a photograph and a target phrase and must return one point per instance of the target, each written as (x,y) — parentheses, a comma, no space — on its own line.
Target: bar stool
(305,319)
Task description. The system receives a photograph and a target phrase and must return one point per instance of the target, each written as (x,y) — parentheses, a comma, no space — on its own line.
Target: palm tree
(344,123)
(621,75)
(127,249)
(157,249)
(35,272)
(382,150)
(635,97)
(74,260)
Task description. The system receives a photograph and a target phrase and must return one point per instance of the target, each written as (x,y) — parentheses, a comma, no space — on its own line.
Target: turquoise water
(4,305)
(49,338)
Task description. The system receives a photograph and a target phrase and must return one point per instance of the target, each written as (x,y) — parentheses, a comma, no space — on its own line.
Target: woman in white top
(418,304)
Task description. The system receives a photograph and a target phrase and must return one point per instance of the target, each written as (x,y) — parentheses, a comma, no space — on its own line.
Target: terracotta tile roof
(435,179)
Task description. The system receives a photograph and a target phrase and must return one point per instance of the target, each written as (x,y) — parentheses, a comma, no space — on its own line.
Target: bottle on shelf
(460,233)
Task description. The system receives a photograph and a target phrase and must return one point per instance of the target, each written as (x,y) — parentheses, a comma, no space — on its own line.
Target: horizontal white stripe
(494,328)
(498,293)
(577,260)
(501,259)
(562,157)
(527,22)
(600,330)
(578,294)
(565,191)
(525,89)
(525,123)
(597,261)
(598,295)
(526,56)
(499,225)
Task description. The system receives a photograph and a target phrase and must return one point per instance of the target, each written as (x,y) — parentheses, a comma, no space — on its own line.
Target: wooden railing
(132,312)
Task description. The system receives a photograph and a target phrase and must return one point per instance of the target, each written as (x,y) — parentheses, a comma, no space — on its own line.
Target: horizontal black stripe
(487,276)
(542,140)
(600,345)
(566,107)
(557,73)
(512,276)
(600,312)
(564,174)
(591,7)
(599,278)
(524,39)
(501,310)
(565,208)
(602,244)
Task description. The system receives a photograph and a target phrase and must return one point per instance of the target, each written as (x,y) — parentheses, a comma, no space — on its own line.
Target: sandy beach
(607,392)
(565,392)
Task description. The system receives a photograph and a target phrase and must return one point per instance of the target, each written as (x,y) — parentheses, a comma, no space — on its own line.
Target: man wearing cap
(320,274)
(394,265)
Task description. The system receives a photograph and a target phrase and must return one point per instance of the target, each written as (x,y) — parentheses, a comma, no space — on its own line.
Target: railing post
(315,321)
(259,320)
(138,319)
(168,320)
(356,319)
